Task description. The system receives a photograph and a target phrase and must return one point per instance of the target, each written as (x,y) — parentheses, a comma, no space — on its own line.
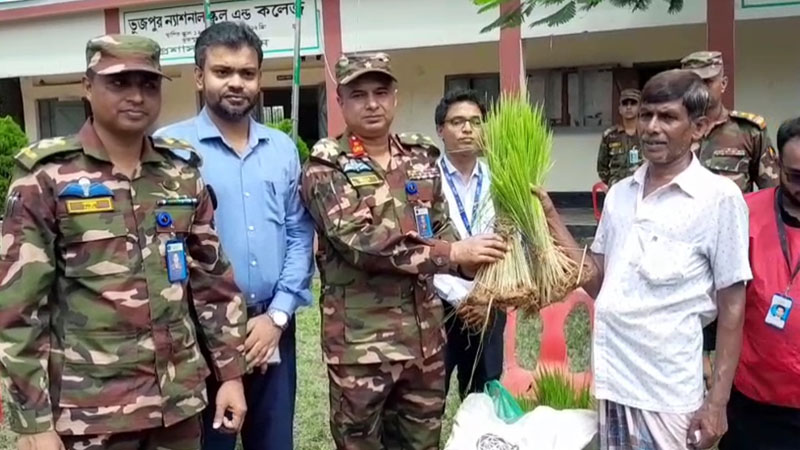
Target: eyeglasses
(629,103)
(459,122)
(791,175)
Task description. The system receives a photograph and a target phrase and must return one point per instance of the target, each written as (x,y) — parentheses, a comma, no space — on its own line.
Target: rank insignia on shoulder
(92,205)
(83,188)
(356,166)
(368,179)
(755,119)
(424,174)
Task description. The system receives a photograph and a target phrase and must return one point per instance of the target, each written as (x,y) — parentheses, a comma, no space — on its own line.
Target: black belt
(258,309)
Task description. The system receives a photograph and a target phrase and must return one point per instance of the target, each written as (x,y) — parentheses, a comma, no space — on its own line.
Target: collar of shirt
(451,169)
(687,181)
(93,146)
(724,117)
(207,129)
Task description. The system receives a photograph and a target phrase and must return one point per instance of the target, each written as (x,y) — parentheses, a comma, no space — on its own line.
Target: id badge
(176,261)
(633,156)
(423,217)
(778,312)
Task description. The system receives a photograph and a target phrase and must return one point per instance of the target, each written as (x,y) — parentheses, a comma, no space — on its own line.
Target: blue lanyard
(461,210)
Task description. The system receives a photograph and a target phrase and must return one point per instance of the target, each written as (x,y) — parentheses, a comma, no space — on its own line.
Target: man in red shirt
(764,409)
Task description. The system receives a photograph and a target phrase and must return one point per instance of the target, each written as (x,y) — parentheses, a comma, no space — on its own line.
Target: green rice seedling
(553,388)
(517,144)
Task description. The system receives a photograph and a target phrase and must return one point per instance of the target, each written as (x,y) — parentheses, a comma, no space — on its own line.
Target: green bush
(12,138)
(285,125)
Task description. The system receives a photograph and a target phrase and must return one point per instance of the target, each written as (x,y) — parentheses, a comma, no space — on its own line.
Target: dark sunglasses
(629,103)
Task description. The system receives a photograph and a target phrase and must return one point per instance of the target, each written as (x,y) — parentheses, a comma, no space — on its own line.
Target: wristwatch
(279,318)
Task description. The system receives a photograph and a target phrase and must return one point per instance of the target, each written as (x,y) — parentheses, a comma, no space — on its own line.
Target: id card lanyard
(467,221)
(784,242)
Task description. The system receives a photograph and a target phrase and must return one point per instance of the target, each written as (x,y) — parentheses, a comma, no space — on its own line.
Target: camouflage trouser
(181,436)
(393,405)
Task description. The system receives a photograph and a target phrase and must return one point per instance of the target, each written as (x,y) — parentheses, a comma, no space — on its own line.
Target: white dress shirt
(665,257)
(450,288)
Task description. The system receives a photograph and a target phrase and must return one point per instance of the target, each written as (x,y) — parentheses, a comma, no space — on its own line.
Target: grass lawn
(311,420)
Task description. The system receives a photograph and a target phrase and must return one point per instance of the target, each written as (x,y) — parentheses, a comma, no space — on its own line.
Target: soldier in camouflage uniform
(110,270)
(619,155)
(377,204)
(736,146)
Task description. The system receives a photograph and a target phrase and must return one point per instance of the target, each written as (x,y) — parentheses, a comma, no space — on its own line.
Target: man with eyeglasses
(619,154)
(764,408)
(465,184)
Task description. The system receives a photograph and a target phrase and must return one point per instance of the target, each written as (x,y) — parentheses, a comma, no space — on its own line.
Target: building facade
(574,71)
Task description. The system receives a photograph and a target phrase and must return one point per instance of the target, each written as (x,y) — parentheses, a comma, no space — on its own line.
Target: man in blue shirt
(264,228)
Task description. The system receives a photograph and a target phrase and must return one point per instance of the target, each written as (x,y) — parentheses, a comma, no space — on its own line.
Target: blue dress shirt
(264,228)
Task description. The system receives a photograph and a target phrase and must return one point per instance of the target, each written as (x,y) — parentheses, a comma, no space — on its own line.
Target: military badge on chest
(356,168)
(360,173)
(84,196)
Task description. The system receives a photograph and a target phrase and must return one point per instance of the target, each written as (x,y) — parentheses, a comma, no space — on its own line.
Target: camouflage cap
(705,64)
(350,67)
(630,94)
(118,53)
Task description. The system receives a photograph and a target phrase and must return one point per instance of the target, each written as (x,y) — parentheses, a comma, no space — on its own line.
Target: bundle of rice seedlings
(535,272)
(554,388)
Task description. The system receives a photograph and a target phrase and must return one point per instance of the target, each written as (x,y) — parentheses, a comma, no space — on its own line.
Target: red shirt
(769,368)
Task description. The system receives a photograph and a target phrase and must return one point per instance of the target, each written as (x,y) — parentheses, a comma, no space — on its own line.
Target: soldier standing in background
(376,200)
(619,155)
(736,146)
(110,270)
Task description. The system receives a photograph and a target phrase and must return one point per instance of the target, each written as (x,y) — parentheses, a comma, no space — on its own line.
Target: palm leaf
(560,17)
(486,5)
(586,5)
(510,20)
(566,13)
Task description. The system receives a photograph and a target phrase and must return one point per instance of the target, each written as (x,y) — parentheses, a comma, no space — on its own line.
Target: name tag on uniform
(90,205)
(423,218)
(367,179)
(778,312)
(177,269)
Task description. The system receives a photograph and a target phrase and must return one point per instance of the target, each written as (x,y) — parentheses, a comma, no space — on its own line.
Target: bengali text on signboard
(177,28)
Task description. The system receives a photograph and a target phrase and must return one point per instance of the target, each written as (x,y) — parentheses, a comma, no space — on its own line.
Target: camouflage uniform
(737,146)
(382,334)
(620,153)
(94,339)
